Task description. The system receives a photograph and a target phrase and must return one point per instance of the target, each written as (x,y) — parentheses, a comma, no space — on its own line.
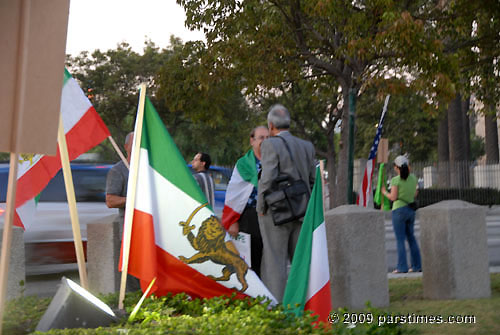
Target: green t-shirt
(406,190)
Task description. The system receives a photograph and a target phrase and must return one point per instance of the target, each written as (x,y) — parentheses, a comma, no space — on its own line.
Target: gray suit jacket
(276,160)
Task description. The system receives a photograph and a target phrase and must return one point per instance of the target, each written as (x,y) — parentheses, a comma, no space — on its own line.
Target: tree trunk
(466,122)
(340,196)
(456,133)
(331,168)
(443,153)
(491,139)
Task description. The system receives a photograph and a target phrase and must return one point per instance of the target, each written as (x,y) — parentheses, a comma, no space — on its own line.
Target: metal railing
(470,181)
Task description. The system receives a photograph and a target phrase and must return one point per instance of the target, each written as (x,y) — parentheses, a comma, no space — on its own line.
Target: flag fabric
(239,189)
(377,198)
(84,129)
(365,190)
(176,238)
(308,285)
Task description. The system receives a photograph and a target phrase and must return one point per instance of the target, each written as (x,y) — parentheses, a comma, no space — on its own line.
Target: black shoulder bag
(289,200)
(413,205)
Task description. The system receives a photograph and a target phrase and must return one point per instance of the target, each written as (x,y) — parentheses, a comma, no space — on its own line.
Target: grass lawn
(406,296)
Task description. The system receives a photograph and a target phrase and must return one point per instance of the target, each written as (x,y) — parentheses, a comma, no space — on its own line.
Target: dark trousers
(249,224)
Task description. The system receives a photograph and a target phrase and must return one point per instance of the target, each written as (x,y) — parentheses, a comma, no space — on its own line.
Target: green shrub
(179,314)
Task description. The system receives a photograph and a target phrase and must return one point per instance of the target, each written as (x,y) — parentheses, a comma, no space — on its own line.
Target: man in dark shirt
(201,163)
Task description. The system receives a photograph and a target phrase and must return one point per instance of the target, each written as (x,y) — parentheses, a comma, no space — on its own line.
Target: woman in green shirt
(403,192)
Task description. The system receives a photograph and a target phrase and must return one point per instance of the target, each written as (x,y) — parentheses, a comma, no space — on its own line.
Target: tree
(207,108)
(202,122)
(351,42)
(406,126)
(111,80)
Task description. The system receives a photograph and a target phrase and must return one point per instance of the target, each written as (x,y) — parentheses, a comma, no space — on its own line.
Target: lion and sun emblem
(210,245)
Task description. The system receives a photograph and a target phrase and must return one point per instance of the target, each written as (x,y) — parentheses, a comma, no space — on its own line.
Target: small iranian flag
(308,285)
(243,180)
(84,130)
(175,237)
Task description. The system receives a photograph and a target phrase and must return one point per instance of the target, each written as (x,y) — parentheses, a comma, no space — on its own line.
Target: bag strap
(291,156)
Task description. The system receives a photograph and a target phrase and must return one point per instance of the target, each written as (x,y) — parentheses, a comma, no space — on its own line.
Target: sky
(102,24)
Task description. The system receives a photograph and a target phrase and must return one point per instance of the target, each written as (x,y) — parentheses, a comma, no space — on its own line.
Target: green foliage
(206,109)
(407,127)
(22,314)
(179,314)
(111,80)
(202,110)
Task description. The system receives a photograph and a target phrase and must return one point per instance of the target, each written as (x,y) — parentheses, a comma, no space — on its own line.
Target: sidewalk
(390,275)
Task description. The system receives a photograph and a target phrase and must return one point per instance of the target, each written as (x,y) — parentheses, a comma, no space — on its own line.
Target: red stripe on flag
(172,275)
(321,303)
(229,216)
(17,220)
(363,190)
(86,134)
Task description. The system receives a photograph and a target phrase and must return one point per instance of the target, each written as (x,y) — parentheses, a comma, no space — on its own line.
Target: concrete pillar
(17,264)
(454,251)
(357,257)
(103,252)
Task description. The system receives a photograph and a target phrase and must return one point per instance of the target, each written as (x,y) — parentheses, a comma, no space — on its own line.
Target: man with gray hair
(282,154)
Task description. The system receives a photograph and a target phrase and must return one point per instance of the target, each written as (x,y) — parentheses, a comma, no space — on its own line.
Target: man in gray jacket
(280,241)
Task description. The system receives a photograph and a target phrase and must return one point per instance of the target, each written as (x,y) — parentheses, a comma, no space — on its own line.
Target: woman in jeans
(403,192)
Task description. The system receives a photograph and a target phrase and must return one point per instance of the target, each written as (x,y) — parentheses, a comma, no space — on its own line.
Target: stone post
(17,264)
(454,251)
(103,252)
(357,257)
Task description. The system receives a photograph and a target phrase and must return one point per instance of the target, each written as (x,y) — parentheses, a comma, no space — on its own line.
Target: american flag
(365,190)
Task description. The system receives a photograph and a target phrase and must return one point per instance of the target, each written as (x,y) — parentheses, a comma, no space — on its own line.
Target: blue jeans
(403,222)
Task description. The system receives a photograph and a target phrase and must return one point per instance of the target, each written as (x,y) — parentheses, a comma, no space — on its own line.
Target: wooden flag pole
(7,232)
(131,191)
(118,151)
(70,194)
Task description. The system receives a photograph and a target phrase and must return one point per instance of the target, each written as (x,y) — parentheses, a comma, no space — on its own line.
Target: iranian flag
(175,237)
(308,285)
(84,130)
(243,180)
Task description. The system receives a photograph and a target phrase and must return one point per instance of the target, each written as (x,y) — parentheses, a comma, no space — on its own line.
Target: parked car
(49,238)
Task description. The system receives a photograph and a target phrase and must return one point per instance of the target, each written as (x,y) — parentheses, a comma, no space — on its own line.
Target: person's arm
(234,229)
(393,195)
(115,182)
(115,201)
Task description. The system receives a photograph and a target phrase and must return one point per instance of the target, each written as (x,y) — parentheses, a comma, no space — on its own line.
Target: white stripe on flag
(319,272)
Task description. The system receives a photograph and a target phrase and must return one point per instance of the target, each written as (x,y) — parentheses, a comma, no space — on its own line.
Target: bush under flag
(308,285)
(175,236)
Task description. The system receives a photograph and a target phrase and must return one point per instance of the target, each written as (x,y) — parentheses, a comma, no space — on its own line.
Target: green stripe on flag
(247,168)
(164,156)
(298,279)
(67,76)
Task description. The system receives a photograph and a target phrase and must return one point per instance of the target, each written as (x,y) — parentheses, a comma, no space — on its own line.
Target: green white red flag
(243,180)
(308,285)
(84,129)
(175,237)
